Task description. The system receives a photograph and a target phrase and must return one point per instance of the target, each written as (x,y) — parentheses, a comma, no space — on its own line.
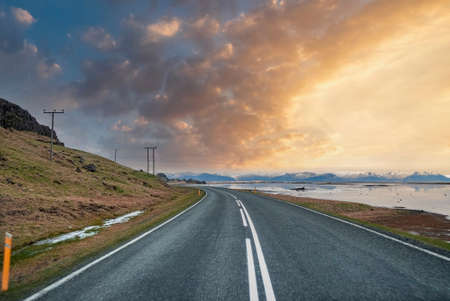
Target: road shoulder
(35,272)
(353,212)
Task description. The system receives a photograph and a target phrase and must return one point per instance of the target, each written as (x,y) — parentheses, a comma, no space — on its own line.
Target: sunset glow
(351,85)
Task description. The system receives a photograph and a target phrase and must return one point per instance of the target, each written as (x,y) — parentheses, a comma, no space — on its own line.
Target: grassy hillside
(40,198)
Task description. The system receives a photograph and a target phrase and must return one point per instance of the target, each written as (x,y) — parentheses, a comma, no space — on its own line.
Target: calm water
(428,197)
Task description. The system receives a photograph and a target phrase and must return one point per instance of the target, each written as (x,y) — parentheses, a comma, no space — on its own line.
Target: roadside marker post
(6,261)
(199,192)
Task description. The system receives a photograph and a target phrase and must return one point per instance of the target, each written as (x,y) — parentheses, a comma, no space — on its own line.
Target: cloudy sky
(238,86)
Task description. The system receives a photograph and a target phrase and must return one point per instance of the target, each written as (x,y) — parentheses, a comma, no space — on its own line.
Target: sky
(238,86)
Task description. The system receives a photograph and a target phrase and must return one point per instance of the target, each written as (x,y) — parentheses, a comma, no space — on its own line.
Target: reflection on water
(428,197)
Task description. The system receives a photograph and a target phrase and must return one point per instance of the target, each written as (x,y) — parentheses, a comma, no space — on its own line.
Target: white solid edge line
(243,218)
(237,202)
(371,231)
(81,270)
(368,230)
(270,295)
(252,284)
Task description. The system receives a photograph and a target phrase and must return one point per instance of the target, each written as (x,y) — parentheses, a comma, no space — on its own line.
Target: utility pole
(153,148)
(53,123)
(115,155)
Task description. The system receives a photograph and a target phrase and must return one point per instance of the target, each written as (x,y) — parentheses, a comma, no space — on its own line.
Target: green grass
(49,198)
(55,271)
(28,252)
(27,163)
(39,182)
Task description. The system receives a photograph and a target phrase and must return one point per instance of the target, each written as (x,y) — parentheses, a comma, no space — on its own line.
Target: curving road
(239,246)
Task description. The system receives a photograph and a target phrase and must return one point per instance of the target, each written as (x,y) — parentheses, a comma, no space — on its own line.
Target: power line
(153,148)
(53,122)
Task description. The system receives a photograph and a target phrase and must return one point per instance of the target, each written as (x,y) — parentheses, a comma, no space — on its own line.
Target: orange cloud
(163,29)
(294,85)
(23,16)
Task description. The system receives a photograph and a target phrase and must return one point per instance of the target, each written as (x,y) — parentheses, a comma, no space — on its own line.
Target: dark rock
(299,189)
(162,177)
(10,181)
(3,158)
(14,117)
(78,169)
(80,159)
(57,182)
(18,212)
(90,167)
(51,210)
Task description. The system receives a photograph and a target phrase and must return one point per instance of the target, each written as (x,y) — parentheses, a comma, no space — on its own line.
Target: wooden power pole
(148,148)
(53,124)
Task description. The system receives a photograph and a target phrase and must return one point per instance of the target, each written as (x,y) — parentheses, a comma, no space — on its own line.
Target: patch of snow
(89,231)
(122,219)
(413,232)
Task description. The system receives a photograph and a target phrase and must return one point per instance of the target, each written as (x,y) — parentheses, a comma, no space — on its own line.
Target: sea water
(428,197)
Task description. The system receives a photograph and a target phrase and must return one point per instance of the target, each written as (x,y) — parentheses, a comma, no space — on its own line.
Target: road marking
(237,202)
(81,270)
(366,229)
(243,218)
(268,289)
(371,231)
(252,285)
(270,296)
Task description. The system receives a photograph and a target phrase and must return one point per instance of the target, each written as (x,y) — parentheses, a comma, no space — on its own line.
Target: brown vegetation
(415,222)
(41,198)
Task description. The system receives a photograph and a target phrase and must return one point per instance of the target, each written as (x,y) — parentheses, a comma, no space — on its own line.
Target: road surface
(239,246)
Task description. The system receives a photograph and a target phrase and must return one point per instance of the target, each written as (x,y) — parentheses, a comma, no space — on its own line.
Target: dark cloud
(99,38)
(217,92)
(21,61)
(11,33)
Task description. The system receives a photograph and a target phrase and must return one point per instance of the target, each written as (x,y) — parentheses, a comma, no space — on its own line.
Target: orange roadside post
(198,191)
(6,261)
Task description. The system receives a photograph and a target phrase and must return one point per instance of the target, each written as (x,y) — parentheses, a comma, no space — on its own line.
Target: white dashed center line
(243,218)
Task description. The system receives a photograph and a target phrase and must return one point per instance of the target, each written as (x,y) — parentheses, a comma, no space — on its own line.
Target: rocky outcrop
(14,117)
(90,167)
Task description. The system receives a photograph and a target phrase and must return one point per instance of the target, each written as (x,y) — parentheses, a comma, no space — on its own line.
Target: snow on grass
(90,230)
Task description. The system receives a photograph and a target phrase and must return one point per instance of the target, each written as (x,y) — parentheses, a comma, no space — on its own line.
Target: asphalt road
(259,248)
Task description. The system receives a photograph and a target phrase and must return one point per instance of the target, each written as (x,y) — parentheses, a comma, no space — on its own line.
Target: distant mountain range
(319,177)
(201,177)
